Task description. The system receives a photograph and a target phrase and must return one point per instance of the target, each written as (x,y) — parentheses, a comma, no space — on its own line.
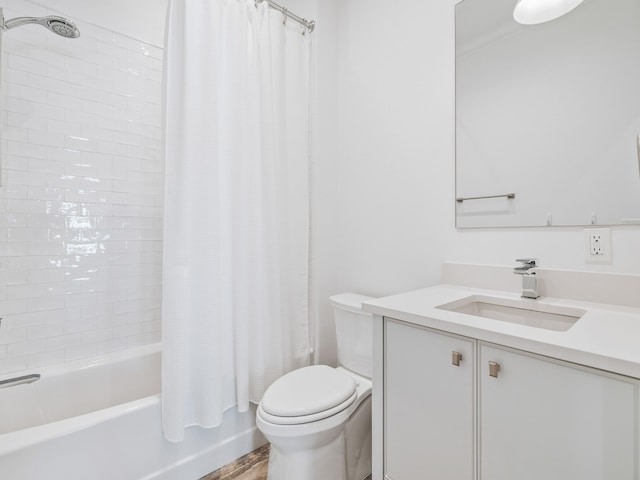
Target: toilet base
(320,463)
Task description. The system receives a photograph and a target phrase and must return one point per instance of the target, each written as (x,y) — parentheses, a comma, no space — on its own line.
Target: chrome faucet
(529,278)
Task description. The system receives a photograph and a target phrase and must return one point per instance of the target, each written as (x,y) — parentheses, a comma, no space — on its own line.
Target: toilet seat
(307,395)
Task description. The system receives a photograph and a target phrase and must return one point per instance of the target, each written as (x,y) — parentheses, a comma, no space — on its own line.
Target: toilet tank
(354,333)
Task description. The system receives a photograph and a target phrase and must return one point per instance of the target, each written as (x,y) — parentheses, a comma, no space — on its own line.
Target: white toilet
(318,418)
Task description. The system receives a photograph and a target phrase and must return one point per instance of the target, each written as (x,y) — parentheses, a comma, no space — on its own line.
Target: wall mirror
(547,116)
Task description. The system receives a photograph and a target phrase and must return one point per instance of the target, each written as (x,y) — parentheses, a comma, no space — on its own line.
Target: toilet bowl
(318,418)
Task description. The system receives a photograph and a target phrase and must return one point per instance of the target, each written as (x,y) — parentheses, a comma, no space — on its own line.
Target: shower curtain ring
(284,16)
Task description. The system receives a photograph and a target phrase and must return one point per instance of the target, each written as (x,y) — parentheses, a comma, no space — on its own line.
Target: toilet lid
(308,391)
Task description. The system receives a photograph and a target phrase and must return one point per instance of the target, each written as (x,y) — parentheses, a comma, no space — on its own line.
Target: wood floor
(252,466)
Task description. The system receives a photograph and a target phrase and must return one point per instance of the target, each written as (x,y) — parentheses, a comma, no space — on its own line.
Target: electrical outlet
(595,247)
(598,245)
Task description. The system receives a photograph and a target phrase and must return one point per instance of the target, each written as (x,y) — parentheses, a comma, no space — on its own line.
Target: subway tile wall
(81,199)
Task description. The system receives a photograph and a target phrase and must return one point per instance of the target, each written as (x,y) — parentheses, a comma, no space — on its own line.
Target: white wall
(384,146)
(385,209)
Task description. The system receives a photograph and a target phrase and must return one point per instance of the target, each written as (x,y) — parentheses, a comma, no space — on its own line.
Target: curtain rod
(309,25)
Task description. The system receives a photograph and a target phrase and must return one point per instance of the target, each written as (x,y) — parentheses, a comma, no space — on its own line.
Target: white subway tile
(29,347)
(13,364)
(13,277)
(50,139)
(13,191)
(81,143)
(10,335)
(13,249)
(26,64)
(63,46)
(126,330)
(26,150)
(26,92)
(24,177)
(112,50)
(81,351)
(112,345)
(25,320)
(46,248)
(112,148)
(10,43)
(26,291)
(143,339)
(44,331)
(90,119)
(26,120)
(45,56)
(81,300)
(46,303)
(101,59)
(17,76)
(64,288)
(45,359)
(64,154)
(19,134)
(16,164)
(45,193)
(81,169)
(127,138)
(98,336)
(67,102)
(64,341)
(25,206)
(19,105)
(13,220)
(79,66)
(96,32)
(45,276)
(101,109)
(45,220)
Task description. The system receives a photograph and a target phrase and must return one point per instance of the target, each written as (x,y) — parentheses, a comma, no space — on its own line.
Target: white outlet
(598,245)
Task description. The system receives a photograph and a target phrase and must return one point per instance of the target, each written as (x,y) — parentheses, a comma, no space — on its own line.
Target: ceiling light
(530,12)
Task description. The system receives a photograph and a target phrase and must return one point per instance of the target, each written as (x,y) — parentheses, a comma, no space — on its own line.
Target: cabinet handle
(494,368)
(455,358)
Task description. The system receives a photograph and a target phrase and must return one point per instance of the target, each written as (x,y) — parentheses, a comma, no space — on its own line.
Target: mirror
(547,116)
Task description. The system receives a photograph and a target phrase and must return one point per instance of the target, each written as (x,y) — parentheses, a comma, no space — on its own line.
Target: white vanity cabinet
(502,414)
(429,404)
(545,419)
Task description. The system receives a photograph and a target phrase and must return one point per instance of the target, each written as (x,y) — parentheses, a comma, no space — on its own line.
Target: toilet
(318,418)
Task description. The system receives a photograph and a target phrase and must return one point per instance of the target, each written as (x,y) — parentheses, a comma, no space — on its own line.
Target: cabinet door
(428,404)
(552,420)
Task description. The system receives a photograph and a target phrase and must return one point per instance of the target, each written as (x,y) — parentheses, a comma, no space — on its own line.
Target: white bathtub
(100,419)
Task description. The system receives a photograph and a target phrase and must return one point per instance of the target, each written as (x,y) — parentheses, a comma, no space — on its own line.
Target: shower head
(58,25)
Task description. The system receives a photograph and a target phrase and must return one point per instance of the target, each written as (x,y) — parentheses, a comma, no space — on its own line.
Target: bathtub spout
(12,382)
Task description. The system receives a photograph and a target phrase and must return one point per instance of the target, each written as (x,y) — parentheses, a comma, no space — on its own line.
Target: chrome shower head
(58,25)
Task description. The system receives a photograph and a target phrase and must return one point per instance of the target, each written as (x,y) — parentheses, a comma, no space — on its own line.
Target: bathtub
(100,419)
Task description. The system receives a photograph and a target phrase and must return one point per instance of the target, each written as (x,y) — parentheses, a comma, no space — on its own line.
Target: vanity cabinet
(502,414)
(545,419)
(429,405)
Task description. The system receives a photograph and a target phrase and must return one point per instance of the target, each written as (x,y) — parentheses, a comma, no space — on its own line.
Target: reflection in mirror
(549,113)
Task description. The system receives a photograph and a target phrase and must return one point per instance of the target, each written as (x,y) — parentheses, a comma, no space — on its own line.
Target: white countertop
(606,337)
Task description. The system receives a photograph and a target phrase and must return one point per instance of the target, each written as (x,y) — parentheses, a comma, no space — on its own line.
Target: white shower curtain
(236,232)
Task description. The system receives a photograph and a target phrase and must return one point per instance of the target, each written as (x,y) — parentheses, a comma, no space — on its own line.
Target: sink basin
(521,312)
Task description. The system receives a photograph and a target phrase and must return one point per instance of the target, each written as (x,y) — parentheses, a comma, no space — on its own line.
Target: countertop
(606,337)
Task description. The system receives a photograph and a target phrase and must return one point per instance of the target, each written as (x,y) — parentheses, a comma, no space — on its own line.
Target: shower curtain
(236,232)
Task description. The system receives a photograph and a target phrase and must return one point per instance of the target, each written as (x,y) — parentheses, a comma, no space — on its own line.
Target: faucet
(529,279)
